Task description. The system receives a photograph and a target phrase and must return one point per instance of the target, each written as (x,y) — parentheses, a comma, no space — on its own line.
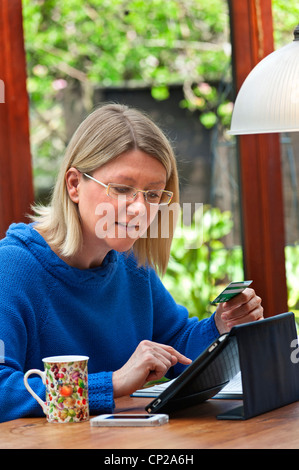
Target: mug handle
(43,377)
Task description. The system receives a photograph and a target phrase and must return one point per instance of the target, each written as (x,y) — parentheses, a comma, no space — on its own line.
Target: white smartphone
(129,420)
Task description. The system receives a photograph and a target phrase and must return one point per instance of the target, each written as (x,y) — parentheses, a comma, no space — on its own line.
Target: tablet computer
(269,377)
(203,379)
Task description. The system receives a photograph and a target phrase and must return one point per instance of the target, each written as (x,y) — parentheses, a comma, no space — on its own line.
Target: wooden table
(192,428)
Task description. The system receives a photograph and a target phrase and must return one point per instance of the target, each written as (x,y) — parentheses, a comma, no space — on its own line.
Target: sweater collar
(37,245)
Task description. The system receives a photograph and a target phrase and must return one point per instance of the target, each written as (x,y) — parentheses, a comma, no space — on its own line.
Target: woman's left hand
(243,308)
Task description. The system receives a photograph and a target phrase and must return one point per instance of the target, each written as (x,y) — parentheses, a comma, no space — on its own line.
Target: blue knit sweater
(48,308)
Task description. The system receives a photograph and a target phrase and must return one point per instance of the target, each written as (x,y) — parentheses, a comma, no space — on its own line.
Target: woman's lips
(128,226)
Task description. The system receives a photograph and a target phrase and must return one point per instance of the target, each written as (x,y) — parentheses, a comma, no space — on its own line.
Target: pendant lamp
(268,100)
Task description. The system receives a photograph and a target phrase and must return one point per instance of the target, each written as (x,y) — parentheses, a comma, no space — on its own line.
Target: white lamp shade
(268,100)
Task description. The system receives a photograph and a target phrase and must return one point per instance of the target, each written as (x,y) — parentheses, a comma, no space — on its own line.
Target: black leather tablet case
(203,379)
(270,379)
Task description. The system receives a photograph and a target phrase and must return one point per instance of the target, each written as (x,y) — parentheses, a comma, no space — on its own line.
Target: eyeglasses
(155,197)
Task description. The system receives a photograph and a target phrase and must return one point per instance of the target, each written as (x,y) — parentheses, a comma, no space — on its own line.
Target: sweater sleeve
(21,332)
(173,326)
(15,400)
(100,391)
(18,329)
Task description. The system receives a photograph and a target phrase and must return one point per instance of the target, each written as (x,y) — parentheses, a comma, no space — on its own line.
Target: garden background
(172,59)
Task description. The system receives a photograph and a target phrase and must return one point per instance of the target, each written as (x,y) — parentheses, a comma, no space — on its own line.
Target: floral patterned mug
(66,381)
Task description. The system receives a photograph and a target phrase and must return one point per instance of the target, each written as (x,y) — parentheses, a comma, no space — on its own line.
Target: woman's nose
(138,204)
(140,197)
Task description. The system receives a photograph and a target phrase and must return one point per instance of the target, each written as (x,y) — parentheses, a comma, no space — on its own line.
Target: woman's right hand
(150,361)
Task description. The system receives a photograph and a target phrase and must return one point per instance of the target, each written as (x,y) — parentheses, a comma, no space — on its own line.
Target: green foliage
(213,106)
(292,272)
(285,19)
(102,43)
(111,41)
(195,276)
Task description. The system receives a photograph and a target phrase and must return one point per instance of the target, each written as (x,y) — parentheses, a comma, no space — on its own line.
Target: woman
(82,277)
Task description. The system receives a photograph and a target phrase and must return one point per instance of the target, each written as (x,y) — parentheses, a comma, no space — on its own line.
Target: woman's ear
(72,179)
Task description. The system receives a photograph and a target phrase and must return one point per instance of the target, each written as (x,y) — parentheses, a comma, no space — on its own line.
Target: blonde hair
(106,133)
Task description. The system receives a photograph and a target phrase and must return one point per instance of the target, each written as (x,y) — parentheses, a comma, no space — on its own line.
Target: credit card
(234,288)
